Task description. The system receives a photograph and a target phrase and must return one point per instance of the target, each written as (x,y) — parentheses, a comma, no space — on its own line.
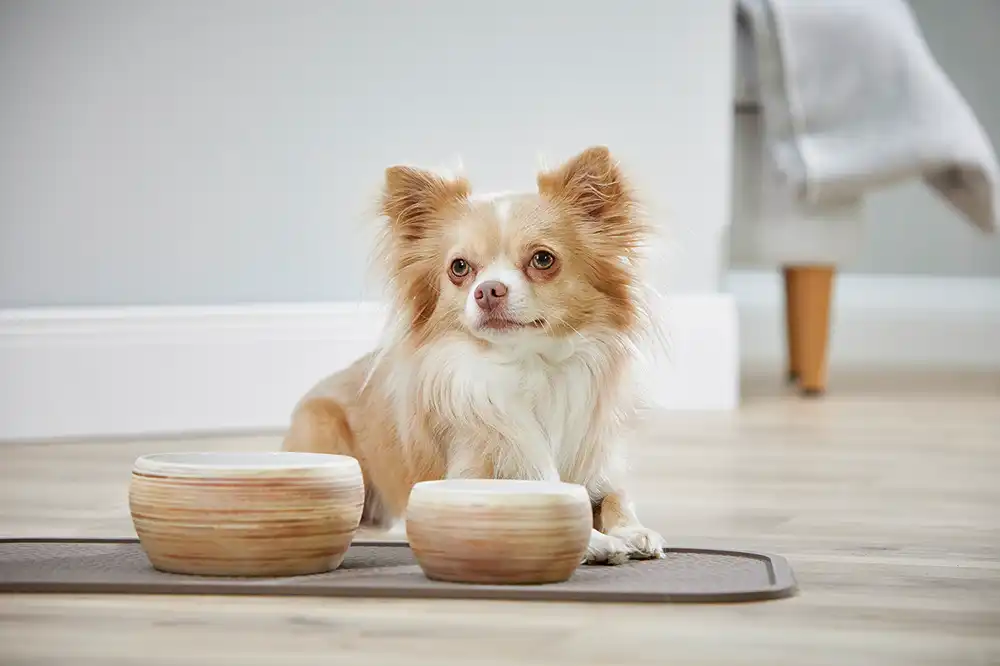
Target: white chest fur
(536,402)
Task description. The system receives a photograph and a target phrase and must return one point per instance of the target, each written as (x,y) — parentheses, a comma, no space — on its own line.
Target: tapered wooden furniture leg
(791,331)
(811,299)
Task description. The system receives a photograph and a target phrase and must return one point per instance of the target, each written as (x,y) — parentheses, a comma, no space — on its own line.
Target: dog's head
(510,267)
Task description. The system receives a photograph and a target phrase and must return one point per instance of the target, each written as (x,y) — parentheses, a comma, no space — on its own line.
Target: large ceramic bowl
(498,532)
(246,514)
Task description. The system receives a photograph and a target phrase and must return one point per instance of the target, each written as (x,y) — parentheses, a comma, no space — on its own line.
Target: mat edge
(785,584)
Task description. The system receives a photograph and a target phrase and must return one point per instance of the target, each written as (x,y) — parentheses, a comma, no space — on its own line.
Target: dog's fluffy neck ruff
(542,395)
(541,400)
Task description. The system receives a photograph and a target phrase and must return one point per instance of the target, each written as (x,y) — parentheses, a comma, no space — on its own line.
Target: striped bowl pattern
(498,532)
(246,514)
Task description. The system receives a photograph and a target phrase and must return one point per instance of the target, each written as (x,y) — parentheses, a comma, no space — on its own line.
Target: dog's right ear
(413,198)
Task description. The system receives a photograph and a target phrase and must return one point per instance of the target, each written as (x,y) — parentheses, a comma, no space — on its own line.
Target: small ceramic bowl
(246,514)
(498,532)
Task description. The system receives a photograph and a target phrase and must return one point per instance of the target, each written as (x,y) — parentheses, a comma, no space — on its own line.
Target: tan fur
(611,513)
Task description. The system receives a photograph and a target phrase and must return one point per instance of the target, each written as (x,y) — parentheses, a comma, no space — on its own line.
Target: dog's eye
(542,260)
(459,268)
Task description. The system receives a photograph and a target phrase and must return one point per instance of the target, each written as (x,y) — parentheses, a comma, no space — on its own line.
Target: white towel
(853,100)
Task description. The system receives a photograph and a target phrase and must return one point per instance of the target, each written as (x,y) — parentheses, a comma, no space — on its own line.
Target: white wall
(191,152)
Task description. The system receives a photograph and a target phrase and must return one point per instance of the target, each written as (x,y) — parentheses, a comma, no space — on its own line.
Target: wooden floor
(885,497)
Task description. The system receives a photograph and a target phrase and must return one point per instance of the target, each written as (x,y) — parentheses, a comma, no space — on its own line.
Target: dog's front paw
(641,542)
(604,549)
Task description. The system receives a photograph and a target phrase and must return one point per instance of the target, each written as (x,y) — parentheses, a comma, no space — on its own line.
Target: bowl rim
(240,461)
(522,487)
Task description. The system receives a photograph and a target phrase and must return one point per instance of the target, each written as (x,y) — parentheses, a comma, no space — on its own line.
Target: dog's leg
(616,518)
(605,549)
(519,451)
(467,462)
(614,512)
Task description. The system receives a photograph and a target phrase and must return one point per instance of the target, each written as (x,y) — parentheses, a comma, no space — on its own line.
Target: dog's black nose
(491,295)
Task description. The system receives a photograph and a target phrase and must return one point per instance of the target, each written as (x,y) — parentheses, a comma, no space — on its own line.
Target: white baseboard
(156,371)
(880,320)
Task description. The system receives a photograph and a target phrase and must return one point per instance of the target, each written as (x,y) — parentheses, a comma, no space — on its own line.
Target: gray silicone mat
(377,569)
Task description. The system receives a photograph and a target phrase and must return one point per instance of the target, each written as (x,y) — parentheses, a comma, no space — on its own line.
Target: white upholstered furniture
(773,230)
(848,99)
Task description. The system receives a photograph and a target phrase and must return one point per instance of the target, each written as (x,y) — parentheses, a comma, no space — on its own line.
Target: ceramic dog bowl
(498,532)
(246,514)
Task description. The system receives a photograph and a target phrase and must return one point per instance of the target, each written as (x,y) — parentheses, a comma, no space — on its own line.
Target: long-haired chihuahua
(516,320)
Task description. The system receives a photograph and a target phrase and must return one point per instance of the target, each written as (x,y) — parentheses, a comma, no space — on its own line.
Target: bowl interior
(214,461)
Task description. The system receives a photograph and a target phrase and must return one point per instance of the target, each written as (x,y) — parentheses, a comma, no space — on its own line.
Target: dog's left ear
(593,184)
